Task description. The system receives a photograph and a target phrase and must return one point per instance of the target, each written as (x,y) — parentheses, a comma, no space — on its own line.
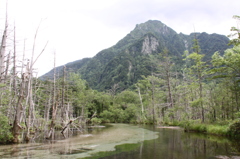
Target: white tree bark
(3,51)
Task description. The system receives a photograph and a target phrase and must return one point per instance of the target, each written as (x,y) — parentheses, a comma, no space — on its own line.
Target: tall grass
(223,128)
(196,126)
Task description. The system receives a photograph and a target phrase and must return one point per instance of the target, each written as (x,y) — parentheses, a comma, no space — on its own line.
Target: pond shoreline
(125,141)
(230,130)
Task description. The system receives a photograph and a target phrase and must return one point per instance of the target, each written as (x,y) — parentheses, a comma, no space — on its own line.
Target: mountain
(70,67)
(125,62)
(209,43)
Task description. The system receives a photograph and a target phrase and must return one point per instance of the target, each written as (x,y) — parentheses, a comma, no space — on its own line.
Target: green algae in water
(127,141)
(120,134)
(83,145)
(119,149)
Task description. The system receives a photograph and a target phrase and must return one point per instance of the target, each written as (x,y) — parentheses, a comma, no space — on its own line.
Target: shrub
(107,116)
(215,129)
(106,121)
(234,129)
(198,127)
(5,131)
(218,129)
(96,121)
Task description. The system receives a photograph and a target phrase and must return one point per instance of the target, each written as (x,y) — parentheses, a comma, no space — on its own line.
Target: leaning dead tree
(71,122)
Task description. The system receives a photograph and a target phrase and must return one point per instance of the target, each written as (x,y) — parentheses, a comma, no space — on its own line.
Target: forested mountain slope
(125,62)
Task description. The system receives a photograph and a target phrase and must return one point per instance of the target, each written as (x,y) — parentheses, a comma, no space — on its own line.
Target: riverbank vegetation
(203,96)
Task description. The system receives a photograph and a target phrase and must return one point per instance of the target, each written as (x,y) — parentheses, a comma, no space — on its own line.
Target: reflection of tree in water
(177,144)
(235,144)
(209,145)
(15,151)
(131,141)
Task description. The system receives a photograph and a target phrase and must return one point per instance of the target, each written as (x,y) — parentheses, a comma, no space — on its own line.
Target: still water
(124,141)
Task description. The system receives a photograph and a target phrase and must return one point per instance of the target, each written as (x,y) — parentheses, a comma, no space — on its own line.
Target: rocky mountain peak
(153,26)
(126,62)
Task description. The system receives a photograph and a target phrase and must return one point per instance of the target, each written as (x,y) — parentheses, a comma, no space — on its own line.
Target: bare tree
(54,103)
(63,92)
(113,90)
(19,109)
(25,92)
(3,49)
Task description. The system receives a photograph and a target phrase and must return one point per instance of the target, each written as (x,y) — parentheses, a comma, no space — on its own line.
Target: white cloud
(77,29)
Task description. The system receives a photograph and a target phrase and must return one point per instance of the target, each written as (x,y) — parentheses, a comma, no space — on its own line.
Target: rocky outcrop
(150,44)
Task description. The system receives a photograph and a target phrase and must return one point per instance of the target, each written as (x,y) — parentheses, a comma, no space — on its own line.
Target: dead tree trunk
(140,98)
(65,127)
(54,104)
(62,101)
(71,122)
(3,51)
(30,104)
(19,109)
(29,100)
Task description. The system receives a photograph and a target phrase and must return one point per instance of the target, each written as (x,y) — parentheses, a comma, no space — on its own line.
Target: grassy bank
(230,128)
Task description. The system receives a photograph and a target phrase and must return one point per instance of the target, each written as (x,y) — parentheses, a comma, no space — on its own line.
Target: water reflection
(81,145)
(127,141)
(175,144)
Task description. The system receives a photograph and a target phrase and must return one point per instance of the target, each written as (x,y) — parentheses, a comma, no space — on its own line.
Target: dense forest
(202,94)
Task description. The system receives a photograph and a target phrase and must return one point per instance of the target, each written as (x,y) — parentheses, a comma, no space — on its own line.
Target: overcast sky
(76,29)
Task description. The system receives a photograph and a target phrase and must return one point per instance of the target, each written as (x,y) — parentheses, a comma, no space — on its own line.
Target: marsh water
(124,141)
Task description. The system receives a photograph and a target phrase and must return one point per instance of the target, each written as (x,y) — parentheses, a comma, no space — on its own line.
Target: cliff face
(150,44)
(126,62)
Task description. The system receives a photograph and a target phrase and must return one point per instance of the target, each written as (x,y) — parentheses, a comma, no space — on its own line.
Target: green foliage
(222,130)
(198,66)
(124,63)
(228,64)
(236,35)
(106,116)
(234,129)
(114,114)
(208,42)
(130,114)
(124,108)
(140,87)
(196,103)
(5,131)
(197,127)
(237,114)
(214,129)
(96,121)
(196,46)
(127,97)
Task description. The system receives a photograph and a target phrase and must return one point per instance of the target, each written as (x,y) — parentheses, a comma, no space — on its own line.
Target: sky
(75,29)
